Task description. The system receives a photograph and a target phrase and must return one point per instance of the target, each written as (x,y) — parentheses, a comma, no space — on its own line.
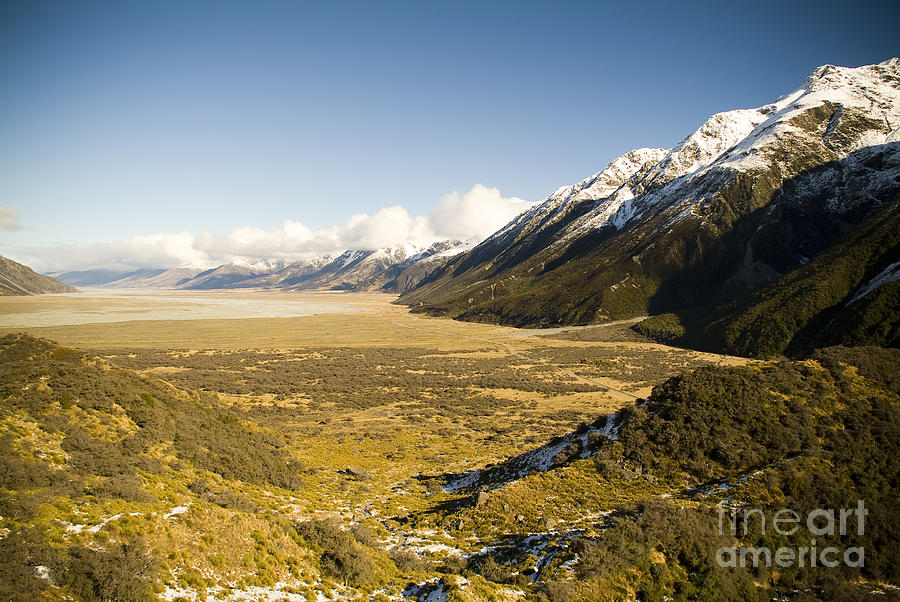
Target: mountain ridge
(588,255)
(17,279)
(391,269)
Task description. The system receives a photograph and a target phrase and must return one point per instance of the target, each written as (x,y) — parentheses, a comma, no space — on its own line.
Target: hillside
(751,196)
(155,278)
(142,278)
(393,269)
(117,485)
(632,504)
(82,439)
(18,279)
(847,295)
(95,277)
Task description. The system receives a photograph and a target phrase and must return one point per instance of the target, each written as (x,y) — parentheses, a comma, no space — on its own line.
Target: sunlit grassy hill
(115,485)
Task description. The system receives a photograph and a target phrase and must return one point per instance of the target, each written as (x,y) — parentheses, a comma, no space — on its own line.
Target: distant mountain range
(141,278)
(391,269)
(766,229)
(18,279)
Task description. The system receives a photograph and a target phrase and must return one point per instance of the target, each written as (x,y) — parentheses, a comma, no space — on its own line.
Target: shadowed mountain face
(847,294)
(18,279)
(750,197)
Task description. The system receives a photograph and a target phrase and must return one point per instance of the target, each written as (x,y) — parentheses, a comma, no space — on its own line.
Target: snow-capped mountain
(355,270)
(392,269)
(395,268)
(231,275)
(408,273)
(749,196)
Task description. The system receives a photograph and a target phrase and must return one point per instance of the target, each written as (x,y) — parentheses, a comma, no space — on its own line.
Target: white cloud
(480,212)
(387,227)
(477,213)
(390,226)
(9,218)
(155,250)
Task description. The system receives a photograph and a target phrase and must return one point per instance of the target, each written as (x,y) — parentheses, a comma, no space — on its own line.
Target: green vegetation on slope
(662,327)
(109,420)
(78,433)
(811,306)
(765,253)
(822,433)
(104,497)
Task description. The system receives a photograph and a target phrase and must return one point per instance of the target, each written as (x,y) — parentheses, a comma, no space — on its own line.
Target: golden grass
(395,444)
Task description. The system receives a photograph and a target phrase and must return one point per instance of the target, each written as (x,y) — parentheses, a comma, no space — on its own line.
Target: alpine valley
(647,377)
(765,230)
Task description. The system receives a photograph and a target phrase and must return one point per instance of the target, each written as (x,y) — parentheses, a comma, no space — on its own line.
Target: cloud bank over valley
(475,214)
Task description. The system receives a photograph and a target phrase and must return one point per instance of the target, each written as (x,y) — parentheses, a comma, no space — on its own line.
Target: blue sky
(125,118)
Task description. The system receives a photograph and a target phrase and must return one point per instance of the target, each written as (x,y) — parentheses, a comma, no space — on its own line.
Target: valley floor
(379,407)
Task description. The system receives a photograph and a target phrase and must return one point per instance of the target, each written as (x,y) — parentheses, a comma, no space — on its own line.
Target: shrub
(406,562)
(664,327)
(342,557)
(126,487)
(125,573)
(231,500)
(365,536)
(558,591)
(490,569)
(20,552)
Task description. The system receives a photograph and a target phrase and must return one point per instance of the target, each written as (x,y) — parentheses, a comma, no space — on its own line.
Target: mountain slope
(156,278)
(847,295)
(392,269)
(354,270)
(407,274)
(18,279)
(141,278)
(89,447)
(660,231)
(817,434)
(96,277)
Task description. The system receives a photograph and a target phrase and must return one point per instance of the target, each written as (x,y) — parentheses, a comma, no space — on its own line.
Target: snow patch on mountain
(350,257)
(732,142)
(462,247)
(889,274)
(609,186)
(579,444)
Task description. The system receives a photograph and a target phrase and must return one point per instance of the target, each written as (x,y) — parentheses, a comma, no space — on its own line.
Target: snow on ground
(889,274)
(438,594)
(421,546)
(277,592)
(94,528)
(79,528)
(722,485)
(437,590)
(540,459)
(42,572)
(177,510)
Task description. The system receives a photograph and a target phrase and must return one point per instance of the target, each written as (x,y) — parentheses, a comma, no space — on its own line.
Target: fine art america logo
(818,523)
